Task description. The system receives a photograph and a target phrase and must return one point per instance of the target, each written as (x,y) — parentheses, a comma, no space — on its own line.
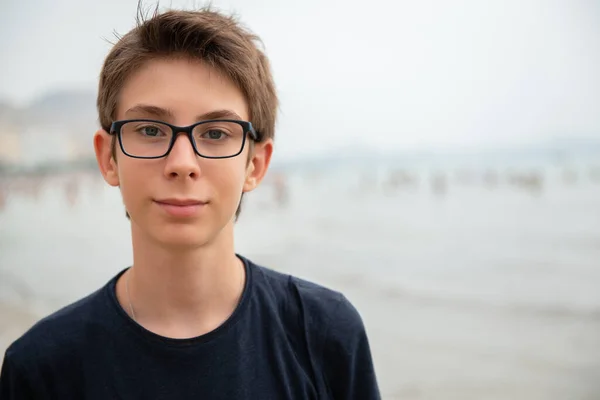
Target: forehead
(186,87)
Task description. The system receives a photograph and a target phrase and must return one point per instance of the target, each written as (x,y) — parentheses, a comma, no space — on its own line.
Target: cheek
(132,177)
(228,179)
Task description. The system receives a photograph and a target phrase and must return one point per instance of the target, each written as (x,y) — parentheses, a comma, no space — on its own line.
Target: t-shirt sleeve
(13,385)
(348,364)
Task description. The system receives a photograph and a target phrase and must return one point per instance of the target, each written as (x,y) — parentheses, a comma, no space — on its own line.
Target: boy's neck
(182,293)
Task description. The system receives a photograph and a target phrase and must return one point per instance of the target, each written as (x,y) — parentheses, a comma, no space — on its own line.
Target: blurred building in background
(55,130)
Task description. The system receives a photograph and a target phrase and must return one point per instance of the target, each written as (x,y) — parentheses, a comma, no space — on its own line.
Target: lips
(181,208)
(181,202)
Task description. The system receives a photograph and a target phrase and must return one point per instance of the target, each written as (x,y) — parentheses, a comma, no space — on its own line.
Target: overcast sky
(406,74)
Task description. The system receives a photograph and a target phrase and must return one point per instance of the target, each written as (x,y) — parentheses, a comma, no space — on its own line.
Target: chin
(184,236)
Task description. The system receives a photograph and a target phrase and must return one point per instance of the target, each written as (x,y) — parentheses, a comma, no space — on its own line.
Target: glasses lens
(145,139)
(219,138)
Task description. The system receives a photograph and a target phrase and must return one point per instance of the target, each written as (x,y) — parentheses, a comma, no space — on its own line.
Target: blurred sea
(474,282)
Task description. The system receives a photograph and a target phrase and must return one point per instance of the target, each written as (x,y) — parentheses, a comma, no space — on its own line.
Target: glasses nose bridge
(183,129)
(188,131)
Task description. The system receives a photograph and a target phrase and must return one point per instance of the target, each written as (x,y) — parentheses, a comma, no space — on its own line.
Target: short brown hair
(206,35)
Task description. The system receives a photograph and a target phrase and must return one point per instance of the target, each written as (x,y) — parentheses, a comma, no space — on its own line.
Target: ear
(104,157)
(258,164)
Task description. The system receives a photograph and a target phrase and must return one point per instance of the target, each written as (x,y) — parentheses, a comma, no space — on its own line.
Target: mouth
(181,207)
(181,202)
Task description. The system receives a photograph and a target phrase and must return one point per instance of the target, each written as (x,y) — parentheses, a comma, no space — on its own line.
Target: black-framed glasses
(217,138)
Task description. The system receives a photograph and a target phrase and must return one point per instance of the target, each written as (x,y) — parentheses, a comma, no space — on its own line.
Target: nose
(182,161)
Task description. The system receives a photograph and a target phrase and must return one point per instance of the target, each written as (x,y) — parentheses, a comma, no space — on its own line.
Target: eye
(214,134)
(150,130)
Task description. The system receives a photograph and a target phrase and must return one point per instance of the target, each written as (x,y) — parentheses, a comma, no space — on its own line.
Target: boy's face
(154,189)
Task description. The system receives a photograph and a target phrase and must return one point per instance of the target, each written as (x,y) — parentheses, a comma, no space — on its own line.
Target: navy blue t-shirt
(287,339)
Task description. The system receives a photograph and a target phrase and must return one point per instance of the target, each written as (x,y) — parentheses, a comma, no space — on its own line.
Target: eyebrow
(165,113)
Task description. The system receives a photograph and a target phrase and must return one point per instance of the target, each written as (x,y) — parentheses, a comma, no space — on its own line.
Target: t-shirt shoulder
(335,334)
(320,301)
(330,314)
(56,333)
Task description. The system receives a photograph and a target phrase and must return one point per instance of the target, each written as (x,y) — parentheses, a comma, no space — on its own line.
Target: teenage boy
(187,109)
